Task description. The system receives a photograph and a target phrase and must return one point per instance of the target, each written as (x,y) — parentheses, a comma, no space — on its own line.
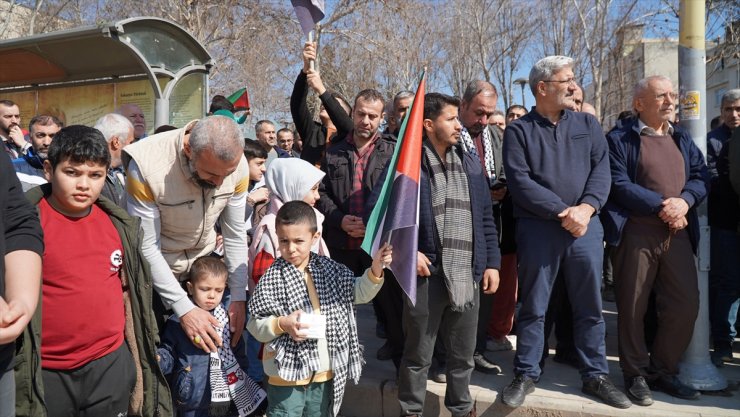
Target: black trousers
(100,388)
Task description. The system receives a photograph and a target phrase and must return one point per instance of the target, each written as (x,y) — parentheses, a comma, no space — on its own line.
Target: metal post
(161,111)
(696,368)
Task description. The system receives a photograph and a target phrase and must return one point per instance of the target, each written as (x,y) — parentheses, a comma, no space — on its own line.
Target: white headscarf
(288,179)
(291,178)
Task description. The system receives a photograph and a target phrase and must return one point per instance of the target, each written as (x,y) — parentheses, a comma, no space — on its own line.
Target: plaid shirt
(357,197)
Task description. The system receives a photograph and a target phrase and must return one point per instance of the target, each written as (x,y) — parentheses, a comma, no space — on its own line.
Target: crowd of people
(158,251)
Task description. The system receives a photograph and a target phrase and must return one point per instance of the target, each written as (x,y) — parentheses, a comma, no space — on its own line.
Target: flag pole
(311,62)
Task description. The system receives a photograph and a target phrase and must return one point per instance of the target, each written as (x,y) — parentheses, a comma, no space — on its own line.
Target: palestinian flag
(240,100)
(395,217)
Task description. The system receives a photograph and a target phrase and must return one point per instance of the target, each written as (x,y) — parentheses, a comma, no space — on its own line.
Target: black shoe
(384,353)
(675,388)
(513,395)
(638,391)
(484,365)
(602,388)
(568,357)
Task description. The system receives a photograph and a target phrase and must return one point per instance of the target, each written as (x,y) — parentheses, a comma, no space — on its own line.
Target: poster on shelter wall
(186,100)
(138,92)
(79,105)
(26,101)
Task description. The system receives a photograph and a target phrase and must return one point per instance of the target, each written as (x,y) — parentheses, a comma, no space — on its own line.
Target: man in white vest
(180,183)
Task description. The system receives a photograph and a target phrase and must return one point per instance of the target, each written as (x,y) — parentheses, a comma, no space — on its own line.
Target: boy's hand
(291,326)
(201,326)
(382,259)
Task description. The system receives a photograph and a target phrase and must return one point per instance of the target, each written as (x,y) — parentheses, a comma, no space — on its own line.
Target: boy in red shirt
(98,349)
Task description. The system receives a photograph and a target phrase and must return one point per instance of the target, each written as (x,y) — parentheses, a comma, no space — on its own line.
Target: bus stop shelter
(82,73)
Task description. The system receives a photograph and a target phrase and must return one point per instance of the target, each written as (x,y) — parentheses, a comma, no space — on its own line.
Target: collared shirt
(645,130)
(357,197)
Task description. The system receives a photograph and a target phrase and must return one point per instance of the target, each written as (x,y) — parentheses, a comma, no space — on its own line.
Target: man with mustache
(658,179)
(30,167)
(14,142)
(134,114)
(484,143)
(180,182)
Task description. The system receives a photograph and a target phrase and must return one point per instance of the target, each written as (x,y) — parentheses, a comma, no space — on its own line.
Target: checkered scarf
(282,290)
(228,380)
(467,144)
(454,221)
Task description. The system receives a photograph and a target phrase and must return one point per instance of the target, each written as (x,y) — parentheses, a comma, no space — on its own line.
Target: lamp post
(522,82)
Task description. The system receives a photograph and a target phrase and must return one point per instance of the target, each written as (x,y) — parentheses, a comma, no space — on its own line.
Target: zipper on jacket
(189,203)
(203,201)
(216,197)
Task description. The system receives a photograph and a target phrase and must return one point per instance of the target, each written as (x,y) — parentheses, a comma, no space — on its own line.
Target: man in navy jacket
(658,179)
(557,169)
(458,251)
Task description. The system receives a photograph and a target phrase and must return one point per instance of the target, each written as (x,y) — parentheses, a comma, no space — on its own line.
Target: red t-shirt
(82,312)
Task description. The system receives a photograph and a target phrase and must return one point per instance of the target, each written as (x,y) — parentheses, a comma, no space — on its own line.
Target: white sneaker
(499,345)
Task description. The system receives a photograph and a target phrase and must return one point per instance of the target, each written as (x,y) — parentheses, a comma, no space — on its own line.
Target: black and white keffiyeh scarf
(282,290)
(228,380)
(454,221)
(468,146)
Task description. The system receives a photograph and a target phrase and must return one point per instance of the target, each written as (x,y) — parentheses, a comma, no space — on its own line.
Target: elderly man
(658,179)
(557,168)
(724,275)
(135,115)
(180,182)
(484,143)
(29,167)
(119,133)
(458,251)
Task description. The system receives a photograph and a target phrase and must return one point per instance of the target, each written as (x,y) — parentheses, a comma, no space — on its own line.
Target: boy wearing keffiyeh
(208,384)
(302,309)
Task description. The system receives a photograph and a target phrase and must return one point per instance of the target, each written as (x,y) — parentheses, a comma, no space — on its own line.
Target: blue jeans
(724,287)
(544,248)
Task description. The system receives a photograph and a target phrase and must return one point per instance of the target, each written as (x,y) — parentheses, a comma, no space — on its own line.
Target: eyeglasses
(568,81)
(662,97)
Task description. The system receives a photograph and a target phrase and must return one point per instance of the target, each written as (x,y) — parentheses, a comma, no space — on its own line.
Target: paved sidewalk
(558,393)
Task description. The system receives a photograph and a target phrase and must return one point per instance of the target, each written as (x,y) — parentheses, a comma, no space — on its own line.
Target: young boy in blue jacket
(206,384)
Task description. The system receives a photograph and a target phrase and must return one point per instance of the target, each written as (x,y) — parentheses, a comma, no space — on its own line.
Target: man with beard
(180,182)
(14,142)
(484,143)
(30,167)
(353,166)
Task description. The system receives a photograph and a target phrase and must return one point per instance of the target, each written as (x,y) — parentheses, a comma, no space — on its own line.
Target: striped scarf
(454,221)
(227,379)
(282,290)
